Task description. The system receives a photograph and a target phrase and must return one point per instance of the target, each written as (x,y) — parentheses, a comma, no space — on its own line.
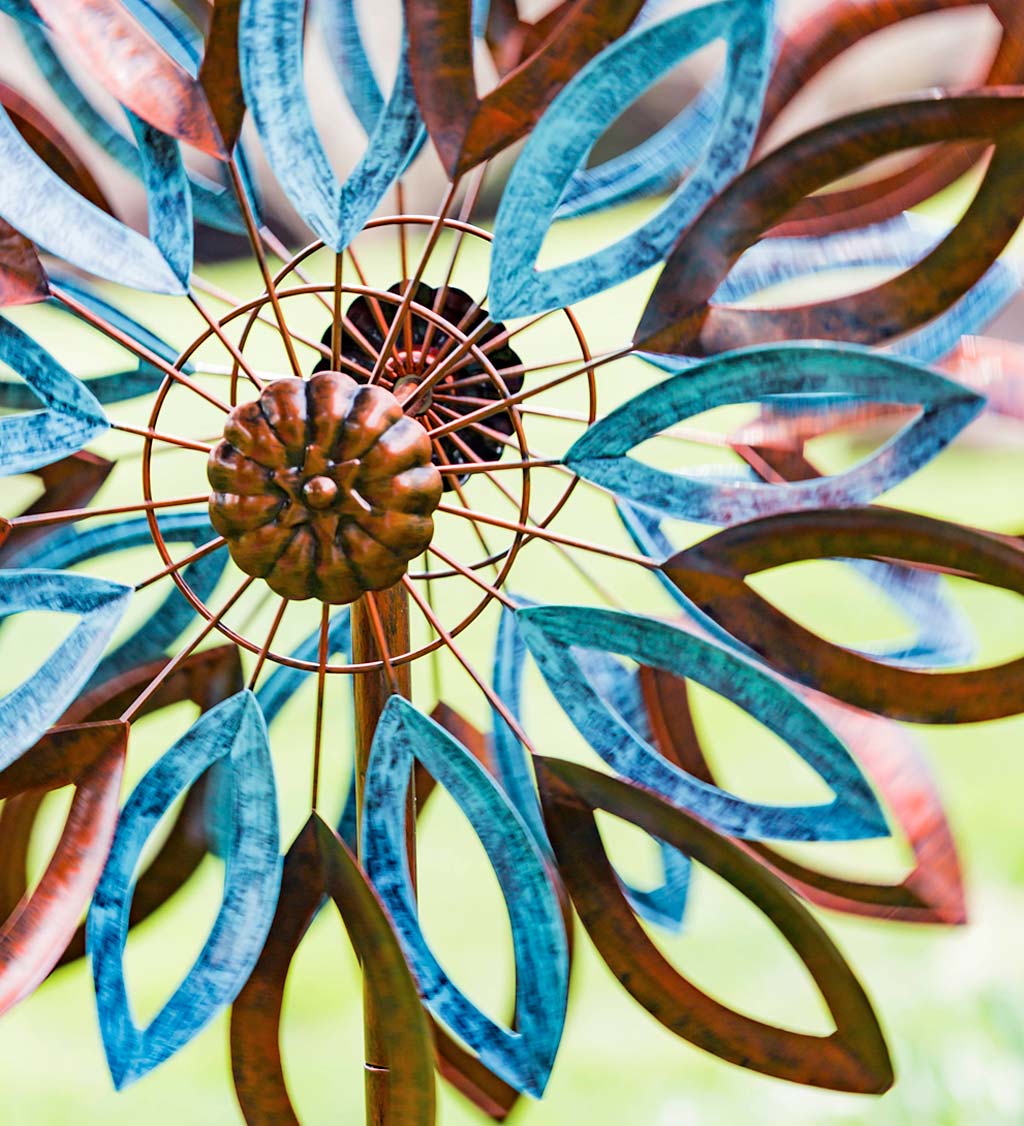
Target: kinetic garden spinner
(368,445)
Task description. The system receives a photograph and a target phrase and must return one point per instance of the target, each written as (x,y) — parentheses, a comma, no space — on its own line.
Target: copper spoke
(466,209)
(261,258)
(135,347)
(262,655)
(473,577)
(189,649)
(492,466)
(158,436)
(42,519)
(336,325)
(501,405)
(411,284)
(553,537)
(382,646)
(207,549)
(226,341)
(495,701)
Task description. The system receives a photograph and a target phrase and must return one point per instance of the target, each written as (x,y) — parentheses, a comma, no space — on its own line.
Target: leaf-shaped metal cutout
(600,454)
(319,863)
(523,1058)
(71,416)
(893,245)
(932,892)
(52,146)
(853,1058)
(214,201)
(466,129)
(681,317)
(72,544)
(818,40)
(663,904)
(28,710)
(205,678)
(91,758)
(943,632)
(22,277)
(234,729)
(576,119)
(552,632)
(271,47)
(711,573)
(119,51)
(51,213)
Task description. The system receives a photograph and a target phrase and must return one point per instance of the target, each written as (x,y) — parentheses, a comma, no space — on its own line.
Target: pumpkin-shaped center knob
(324,488)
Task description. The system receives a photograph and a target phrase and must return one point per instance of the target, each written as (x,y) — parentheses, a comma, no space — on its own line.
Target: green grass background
(951,1001)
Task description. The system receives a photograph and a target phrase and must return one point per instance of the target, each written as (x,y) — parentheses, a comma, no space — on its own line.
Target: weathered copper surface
(467,129)
(825,34)
(712,574)
(324,488)
(853,1058)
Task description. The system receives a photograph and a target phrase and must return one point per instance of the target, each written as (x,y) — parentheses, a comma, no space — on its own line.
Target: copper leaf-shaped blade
(681,317)
(91,758)
(711,573)
(319,864)
(853,1058)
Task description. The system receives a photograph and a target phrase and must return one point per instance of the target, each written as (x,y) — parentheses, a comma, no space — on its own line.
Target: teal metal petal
(523,1057)
(763,374)
(588,105)
(70,417)
(27,711)
(554,633)
(235,732)
(271,56)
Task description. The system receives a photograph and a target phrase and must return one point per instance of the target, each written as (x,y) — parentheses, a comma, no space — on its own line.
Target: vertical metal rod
(372,690)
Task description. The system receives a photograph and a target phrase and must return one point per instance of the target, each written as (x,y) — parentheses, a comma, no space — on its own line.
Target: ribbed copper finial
(324,488)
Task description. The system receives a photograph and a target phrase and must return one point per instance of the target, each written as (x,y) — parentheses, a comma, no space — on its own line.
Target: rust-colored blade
(22,277)
(468,130)
(90,757)
(853,1058)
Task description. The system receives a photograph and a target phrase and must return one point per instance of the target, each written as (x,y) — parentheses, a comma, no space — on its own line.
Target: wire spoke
(262,655)
(261,258)
(135,347)
(553,537)
(207,548)
(133,710)
(159,436)
(42,519)
(495,701)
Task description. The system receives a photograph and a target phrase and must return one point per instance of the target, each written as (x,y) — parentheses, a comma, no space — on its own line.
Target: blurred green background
(950,1001)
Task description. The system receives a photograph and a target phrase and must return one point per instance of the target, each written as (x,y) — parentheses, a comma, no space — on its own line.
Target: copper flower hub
(460,391)
(324,488)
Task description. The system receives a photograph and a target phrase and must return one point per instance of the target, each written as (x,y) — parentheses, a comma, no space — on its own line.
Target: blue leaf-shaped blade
(69,545)
(234,731)
(576,119)
(944,635)
(35,705)
(271,57)
(760,374)
(71,416)
(664,904)
(37,202)
(554,632)
(524,1057)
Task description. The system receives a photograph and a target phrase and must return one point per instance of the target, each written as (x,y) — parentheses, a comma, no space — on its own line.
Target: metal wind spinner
(342,470)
